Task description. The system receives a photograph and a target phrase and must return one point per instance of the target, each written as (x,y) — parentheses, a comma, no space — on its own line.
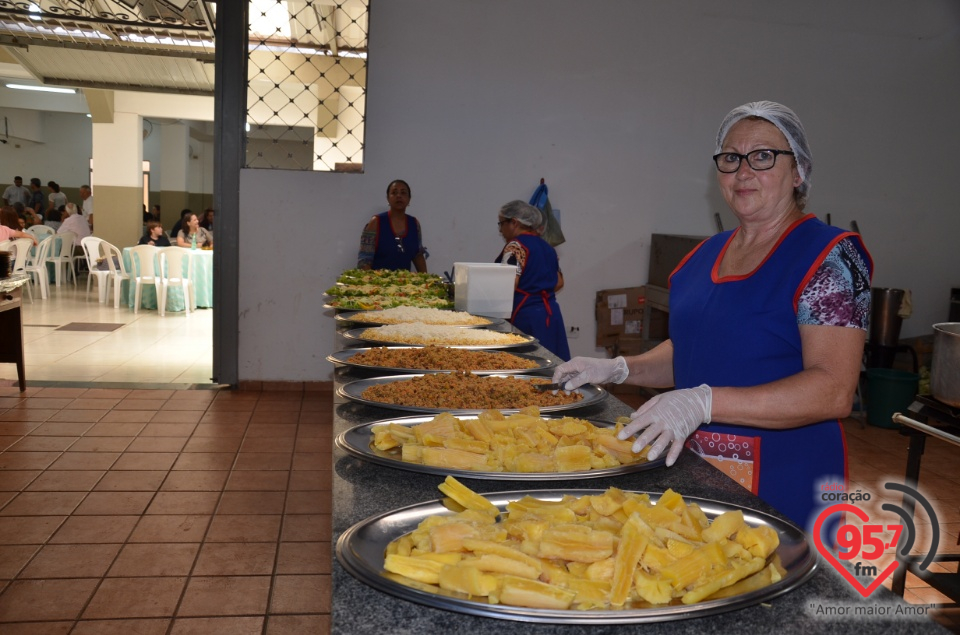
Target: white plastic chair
(21,248)
(38,268)
(92,253)
(175,265)
(40,231)
(144,270)
(118,270)
(64,258)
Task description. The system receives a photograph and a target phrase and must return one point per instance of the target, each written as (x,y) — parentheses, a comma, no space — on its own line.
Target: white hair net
(786,122)
(525,214)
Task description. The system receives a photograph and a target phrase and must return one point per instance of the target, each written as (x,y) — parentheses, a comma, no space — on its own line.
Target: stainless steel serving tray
(348,316)
(353,391)
(357,442)
(344,356)
(357,334)
(361,550)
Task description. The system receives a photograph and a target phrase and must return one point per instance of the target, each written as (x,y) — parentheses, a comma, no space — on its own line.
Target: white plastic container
(484,288)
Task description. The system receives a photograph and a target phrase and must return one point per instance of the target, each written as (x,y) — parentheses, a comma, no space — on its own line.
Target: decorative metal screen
(306,87)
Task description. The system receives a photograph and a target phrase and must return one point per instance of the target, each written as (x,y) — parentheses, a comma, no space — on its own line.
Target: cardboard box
(619,312)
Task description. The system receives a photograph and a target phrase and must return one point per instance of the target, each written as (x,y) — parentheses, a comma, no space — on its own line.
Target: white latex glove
(590,370)
(668,419)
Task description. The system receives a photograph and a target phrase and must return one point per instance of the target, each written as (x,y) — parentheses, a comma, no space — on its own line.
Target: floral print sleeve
(838,294)
(515,254)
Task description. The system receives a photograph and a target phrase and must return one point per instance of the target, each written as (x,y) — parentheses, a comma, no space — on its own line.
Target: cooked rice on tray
(466,391)
(441,335)
(441,358)
(406,314)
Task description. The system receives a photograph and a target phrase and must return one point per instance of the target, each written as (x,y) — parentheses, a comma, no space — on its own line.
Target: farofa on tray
(424,334)
(466,391)
(441,358)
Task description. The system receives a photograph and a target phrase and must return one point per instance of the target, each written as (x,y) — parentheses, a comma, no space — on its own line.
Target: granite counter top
(824,604)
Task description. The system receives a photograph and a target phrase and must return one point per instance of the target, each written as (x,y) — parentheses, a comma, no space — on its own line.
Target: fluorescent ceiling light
(45,89)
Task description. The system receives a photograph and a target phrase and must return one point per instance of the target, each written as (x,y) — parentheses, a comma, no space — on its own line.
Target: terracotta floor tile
(62,428)
(205,461)
(37,443)
(309,417)
(27,460)
(185,404)
(227,595)
(272,427)
(154,429)
(56,391)
(157,443)
(43,504)
(71,561)
(265,406)
(7,441)
(18,428)
(24,414)
(236,502)
(301,594)
(13,558)
(155,560)
(57,403)
(106,393)
(79,415)
(304,557)
(150,394)
(250,558)
(38,628)
(106,503)
(148,626)
(140,404)
(314,444)
(207,625)
(173,528)
(148,461)
(128,416)
(172,503)
(226,417)
(219,430)
(84,403)
(135,597)
(115,429)
(16,480)
(245,407)
(258,481)
(268,444)
(66,481)
(95,529)
(177,416)
(278,418)
(296,624)
(244,528)
(101,444)
(45,599)
(263,461)
(308,503)
(195,481)
(28,530)
(213,444)
(130,481)
(307,528)
(317,480)
(85,461)
(312,460)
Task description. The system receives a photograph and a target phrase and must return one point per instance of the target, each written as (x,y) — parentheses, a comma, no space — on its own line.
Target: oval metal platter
(344,356)
(357,442)
(354,392)
(361,550)
(348,316)
(357,334)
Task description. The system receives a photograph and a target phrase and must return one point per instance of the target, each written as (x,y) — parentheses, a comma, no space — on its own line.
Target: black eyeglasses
(505,220)
(759,160)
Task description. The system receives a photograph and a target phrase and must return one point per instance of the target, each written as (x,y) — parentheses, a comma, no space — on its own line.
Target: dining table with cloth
(201,274)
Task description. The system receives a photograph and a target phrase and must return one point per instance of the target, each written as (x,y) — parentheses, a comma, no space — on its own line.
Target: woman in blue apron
(767,327)
(392,239)
(535,308)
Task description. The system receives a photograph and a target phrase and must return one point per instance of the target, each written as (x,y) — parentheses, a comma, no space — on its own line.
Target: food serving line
(369,499)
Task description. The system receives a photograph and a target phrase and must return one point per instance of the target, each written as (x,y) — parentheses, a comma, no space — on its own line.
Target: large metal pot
(945,367)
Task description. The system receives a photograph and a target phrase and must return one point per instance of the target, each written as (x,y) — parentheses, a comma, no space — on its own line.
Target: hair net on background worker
(788,123)
(525,214)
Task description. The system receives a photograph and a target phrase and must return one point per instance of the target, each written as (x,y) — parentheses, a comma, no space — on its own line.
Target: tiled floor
(205,511)
(163,511)
(146,348)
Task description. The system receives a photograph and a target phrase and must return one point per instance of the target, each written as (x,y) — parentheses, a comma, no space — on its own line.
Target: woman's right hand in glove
(589,370)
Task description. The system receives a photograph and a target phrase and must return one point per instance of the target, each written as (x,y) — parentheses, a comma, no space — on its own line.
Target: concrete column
(174,165)
(118,179)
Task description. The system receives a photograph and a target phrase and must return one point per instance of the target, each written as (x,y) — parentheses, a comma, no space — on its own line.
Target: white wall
(61,154)
(616,104)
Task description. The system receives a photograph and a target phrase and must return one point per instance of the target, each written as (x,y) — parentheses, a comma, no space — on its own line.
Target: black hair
(389,185)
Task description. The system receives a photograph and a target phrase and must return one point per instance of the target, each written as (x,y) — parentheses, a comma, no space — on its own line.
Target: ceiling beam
(100,103)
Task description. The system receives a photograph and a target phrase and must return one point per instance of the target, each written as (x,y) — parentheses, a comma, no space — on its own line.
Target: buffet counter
(362,489)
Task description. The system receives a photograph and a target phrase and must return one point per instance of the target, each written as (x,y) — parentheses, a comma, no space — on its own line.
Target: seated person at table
(74,222)
(154,235)
(191,229)
(207,222)
(10,226)
(53,218)
(177,226)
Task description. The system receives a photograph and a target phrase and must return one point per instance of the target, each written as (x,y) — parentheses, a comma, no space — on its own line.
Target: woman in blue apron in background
(392,239)
(535,308)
